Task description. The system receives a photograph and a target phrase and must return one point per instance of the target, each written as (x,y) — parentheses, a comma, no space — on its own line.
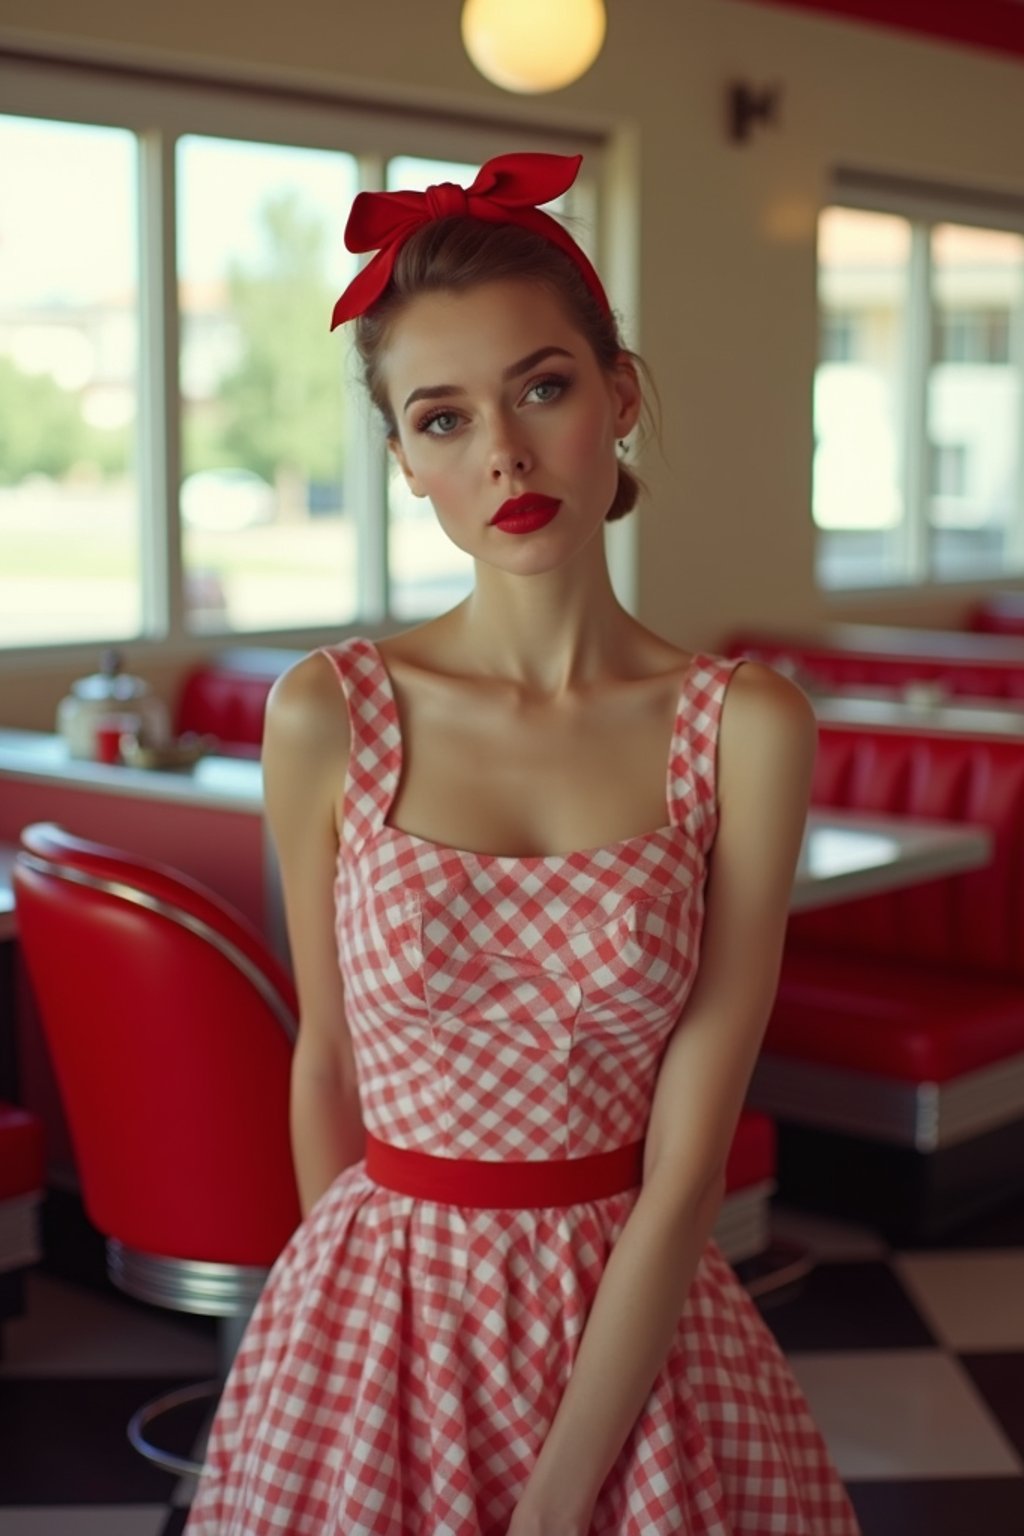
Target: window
(839,339)
(918,402)
(185,451)
(70,548)
(268,539)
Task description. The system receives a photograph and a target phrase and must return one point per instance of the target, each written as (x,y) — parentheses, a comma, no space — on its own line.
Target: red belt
(470,1181)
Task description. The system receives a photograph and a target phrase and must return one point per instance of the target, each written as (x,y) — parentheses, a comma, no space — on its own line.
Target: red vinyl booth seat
(838,665)
(899,1017)
(903,1021)
(226,697)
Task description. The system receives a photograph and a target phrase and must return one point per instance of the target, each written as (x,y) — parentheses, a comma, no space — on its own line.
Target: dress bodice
(506,1006)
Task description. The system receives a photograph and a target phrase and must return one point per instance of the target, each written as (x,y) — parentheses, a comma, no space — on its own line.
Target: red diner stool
(170,1026)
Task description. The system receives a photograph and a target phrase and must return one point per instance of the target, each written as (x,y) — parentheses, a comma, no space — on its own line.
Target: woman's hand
(531,1518)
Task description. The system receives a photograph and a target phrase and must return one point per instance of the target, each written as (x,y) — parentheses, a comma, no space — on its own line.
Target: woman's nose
(509,455)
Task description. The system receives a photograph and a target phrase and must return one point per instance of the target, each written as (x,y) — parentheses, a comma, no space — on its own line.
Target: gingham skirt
(406,1357)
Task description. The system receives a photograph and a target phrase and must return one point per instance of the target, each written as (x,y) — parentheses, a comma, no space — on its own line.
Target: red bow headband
(506,191)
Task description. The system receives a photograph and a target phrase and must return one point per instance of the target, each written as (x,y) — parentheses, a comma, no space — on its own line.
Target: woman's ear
(398,453)
(628,395)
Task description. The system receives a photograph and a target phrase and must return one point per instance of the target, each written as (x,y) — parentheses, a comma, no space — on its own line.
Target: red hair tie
(507,190)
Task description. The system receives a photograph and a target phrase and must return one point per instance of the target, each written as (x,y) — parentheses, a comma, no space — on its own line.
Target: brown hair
(462,252)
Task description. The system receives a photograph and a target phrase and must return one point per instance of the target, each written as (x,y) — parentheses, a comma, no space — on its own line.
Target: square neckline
(666,831)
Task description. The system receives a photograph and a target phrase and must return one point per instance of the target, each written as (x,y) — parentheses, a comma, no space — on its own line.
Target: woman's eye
(440,424)
(546,390)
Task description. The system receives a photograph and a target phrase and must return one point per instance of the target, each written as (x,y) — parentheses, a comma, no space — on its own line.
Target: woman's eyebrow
(526,363)
(513,371)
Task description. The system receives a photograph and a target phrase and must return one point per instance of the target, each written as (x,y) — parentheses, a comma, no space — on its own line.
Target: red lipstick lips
(522,514)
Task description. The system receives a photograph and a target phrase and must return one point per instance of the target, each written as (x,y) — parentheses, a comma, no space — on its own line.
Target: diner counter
(223,783)
(206,820)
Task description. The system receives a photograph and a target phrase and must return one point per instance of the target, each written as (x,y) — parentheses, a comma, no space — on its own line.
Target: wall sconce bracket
(748,106)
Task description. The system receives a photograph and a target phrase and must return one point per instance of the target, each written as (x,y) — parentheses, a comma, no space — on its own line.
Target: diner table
(846,854)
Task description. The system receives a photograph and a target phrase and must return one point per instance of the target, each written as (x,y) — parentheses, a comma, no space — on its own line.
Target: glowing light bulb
(533,45)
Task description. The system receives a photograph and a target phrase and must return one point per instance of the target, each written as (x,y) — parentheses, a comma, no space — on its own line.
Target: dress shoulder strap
(375,755)
(693,761)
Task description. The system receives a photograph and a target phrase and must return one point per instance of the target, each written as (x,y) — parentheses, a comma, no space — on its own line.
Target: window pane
(69,345)
(974,399)
(269,539)
(858,495)
(427,573)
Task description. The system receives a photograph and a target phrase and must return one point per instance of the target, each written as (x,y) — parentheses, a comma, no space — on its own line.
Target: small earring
(621,446)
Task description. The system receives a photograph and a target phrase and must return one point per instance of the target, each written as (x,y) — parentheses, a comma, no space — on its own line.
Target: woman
(552,853)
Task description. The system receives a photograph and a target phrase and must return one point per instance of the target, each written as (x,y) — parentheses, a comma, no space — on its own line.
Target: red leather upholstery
(926,983)
(22,1163)
(172,1065)
(227,697)
(1001,613)
(839,665)
(752,1154)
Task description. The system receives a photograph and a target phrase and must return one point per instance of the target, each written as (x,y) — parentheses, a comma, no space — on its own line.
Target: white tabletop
(847,854)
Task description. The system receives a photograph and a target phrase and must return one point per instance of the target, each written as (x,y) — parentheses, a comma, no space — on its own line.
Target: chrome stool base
(155,1409)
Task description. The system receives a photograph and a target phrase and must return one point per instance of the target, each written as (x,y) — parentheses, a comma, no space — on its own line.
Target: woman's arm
(765,759)
(305,755)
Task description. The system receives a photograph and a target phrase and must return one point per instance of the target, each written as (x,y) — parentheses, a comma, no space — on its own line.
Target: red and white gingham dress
(406,1355)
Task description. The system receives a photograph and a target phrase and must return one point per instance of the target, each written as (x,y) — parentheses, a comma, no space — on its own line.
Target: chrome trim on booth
(185,1285)
(925,1116)
(124,892)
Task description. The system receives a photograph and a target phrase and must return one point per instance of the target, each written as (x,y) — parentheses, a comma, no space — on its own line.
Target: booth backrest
(226,697)
(971,922)
(1001,613)
(978,666)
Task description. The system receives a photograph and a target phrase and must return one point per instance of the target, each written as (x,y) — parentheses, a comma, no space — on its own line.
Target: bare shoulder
(306,744)
(767,736)
(306,709)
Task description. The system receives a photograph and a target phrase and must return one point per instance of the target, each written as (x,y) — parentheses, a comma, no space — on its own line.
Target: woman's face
(497,396)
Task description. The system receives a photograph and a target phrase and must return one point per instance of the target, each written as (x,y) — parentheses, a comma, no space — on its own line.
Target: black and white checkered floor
(913,1361)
